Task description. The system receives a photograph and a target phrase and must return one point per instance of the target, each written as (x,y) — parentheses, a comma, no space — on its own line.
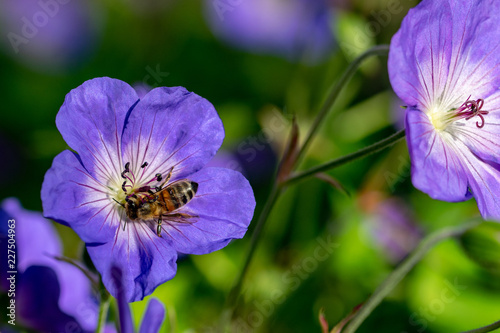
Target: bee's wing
(179,218)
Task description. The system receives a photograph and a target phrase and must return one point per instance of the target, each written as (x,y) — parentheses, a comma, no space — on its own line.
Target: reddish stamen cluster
(471,108)
(146,188)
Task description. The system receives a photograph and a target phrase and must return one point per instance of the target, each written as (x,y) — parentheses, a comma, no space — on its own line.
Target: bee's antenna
(119,203)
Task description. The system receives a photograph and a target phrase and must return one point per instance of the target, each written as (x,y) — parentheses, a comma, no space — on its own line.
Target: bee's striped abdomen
(178,194)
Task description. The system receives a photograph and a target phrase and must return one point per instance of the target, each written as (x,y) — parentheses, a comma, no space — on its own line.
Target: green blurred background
(287,284)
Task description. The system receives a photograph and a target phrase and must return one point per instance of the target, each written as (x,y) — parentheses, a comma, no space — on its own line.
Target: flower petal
(36,238)
(153,317)
(145,260)
(436,165)
(484,181)
(224,204)
(91,122)
(445,52)
(171,127)
(126,322)
(40,310)
(420,54)
(38,243)
(71,196)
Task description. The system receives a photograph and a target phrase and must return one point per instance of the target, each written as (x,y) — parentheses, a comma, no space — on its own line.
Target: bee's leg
(166,179)
(152,197)
(158,227)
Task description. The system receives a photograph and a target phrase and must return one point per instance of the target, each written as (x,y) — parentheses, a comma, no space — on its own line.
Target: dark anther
(145,164)
(150,191)
(123,187)
(123,174)
(157,188)
(158,177)
(127,165)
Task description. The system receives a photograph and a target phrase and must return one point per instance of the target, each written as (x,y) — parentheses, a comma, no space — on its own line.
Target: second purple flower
(444,64)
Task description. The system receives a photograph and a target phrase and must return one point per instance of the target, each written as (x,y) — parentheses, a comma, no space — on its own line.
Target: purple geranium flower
(50,295)
(295,29)
(128,151)
(444,64)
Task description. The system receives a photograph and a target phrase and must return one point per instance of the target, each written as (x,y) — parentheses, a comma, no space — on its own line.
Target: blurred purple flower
(257,165)
(50,295)
(226,159)
(394,228)
(126,146)
(295,29)
(443,64)
(49,34)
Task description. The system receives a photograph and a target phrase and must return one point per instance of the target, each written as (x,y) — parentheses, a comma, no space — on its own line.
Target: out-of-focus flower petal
(153,317)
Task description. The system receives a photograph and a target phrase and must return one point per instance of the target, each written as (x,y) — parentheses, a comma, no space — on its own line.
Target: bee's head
(131,209)
(144,210)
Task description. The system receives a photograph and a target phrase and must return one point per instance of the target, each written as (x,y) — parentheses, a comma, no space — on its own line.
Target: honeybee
(144,204)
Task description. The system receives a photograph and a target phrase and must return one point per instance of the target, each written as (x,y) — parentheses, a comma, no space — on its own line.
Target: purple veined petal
(91,122)
(420,53)
(145,259)
(475,60)
(436,64)
(436,167)
(484,181)
(224,206)
(153,317)
(74,198)
(171,127)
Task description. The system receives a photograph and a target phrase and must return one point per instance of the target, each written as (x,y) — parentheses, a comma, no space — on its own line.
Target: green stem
(264,214)
(334,93)
(103,309)
(376,147)
(485,329)
(400,272)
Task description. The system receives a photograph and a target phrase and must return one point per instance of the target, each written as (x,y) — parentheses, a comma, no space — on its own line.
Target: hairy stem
(264,214)
(376,147)
(334,93)
(485,329)
(103,309)
(400,272)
